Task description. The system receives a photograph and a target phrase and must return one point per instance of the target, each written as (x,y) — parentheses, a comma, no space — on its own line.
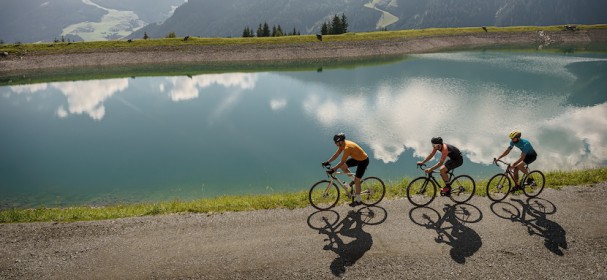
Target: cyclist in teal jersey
(528,155)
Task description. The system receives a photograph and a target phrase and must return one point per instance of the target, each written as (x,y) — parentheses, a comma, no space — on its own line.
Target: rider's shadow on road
(534,218)
(351,227)
(463,240)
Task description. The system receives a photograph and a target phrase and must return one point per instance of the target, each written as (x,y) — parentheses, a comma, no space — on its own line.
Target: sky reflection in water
(261,132)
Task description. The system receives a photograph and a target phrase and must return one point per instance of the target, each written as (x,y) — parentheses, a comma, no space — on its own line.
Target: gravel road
(563,235)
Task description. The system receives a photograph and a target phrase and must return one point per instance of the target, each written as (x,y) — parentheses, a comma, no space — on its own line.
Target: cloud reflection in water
(403,117)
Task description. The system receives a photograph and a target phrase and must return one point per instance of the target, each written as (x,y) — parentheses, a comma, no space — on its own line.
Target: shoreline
(247,53)
(252,202)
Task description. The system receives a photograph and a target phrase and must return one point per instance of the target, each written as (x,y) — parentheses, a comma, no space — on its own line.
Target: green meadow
(395,190)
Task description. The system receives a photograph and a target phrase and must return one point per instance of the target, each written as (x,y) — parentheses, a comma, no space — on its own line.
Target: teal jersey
(523,145)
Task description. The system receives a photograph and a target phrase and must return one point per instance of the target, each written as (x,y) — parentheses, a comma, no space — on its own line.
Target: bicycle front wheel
(372,190)
(462,188)
(323,195)
(498,187)
(533,183)
(421,191)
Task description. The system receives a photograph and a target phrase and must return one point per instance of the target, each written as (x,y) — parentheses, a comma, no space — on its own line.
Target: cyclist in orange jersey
(353,155)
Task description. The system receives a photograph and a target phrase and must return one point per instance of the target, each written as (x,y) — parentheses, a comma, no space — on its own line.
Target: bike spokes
(372,190)
(498,187)
(533,183)
(323,195)
(462,188)
(421,191)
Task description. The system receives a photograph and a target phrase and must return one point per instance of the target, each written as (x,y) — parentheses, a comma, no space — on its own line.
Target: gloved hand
(326,163)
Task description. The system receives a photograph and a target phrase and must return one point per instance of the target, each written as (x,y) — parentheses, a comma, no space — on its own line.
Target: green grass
(554,180)
(116,45)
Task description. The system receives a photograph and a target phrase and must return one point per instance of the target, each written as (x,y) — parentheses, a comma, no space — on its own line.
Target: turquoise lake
(133,139)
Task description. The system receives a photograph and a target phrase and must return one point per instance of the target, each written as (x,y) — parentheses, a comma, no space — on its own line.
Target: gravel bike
(499,185)
(422,190)
(325,194)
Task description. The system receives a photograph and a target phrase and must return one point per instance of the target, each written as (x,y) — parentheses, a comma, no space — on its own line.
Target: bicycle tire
(372,190)
(462,188)
(533,189)
(421,191)
(323,195)
(498,187)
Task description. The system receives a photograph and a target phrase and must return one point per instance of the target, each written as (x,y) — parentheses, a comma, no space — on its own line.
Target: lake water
(186,137)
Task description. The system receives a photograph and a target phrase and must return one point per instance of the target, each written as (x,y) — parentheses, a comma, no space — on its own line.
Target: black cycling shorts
(453,163)
(530,157)
(361,166)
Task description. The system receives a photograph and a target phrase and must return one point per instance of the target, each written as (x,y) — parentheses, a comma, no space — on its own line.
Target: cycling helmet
(514,134)
(339,137)
(437,140)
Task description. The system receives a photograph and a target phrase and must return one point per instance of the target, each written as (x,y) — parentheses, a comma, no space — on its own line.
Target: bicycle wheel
(372,190)
(462,188)
(534,183)
(421,191)
(323,195)
(498,187)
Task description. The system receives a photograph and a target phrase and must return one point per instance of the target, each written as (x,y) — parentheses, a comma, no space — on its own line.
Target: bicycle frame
(343,184)
(509,169)
(431,175)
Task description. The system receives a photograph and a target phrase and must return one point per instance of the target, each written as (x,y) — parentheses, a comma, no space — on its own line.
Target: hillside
(43,20)
(228,18)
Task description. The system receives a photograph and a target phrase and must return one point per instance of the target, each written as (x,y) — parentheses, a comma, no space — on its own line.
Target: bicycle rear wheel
(498,187)
(323,195)
(372,190)
(421,191)
(533,183)
(462,188)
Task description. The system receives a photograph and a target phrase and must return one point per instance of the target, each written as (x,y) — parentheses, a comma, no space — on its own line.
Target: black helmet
(339,137)
(437,140)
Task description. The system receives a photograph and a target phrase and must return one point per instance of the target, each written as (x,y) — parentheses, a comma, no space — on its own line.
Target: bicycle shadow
(555,236)
(463,240)
(351,227)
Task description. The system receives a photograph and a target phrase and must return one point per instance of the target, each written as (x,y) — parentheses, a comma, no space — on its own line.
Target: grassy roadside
(554,180)
(116,45)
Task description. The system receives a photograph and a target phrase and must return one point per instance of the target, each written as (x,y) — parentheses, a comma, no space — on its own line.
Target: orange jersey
(352,149)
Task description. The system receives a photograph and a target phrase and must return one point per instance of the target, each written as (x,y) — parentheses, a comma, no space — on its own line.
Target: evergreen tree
(247,32)
(279,31)
(336,25)
(260,31)
(324,30)
(274,31)
(344,23)
(266,30)
(145,36)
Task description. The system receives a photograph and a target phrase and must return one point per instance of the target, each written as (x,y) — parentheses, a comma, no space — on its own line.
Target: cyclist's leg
(351,163)
(517,168)
(529,158)
(360,172)
(449,165)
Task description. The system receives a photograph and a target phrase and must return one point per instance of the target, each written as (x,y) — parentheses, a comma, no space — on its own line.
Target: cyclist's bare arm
(431,155)
(443,157)
(505,153)
(334,156)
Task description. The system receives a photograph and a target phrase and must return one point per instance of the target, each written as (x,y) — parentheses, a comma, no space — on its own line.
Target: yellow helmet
(514,134)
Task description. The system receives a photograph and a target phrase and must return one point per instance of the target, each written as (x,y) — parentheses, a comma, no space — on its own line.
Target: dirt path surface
(24,63)
(562,235)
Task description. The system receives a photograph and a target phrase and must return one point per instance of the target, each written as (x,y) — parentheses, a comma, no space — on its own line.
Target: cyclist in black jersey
(455,160)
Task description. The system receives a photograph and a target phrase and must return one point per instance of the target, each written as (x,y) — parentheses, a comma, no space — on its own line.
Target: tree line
(263,30)
(337,25)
